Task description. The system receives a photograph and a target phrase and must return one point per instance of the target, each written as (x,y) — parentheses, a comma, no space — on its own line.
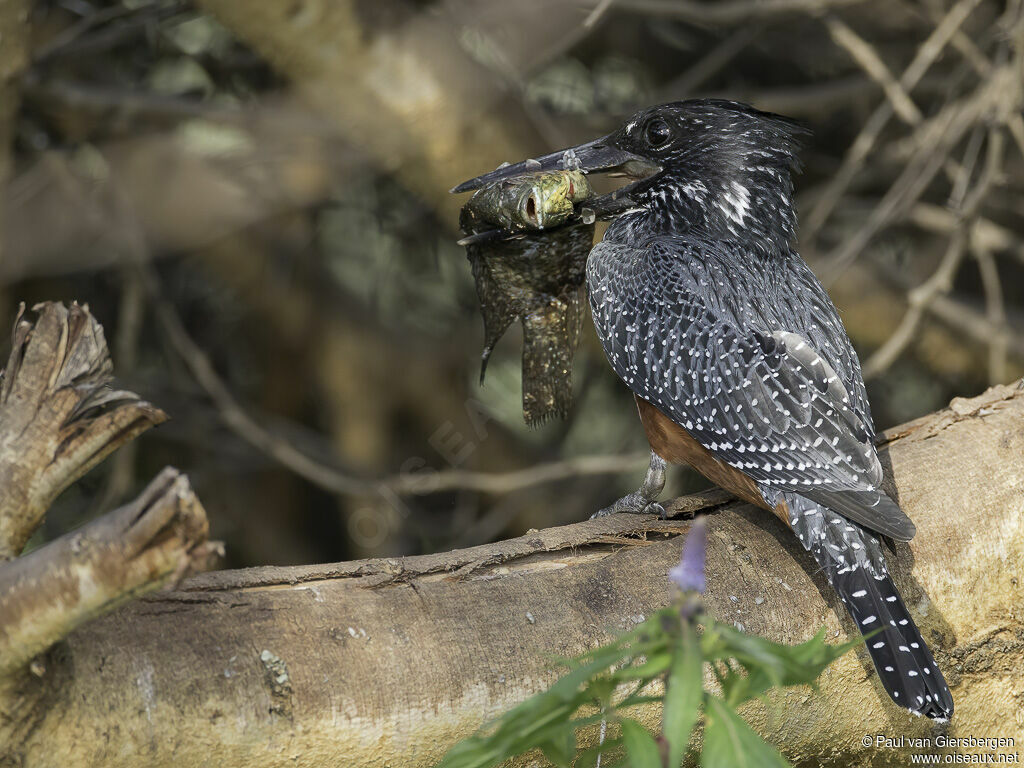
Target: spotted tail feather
(852,560)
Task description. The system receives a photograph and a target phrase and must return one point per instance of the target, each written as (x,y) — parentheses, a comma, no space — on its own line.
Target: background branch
(136,549)
(333,479)
(58,415)
(941,281)
(862,145)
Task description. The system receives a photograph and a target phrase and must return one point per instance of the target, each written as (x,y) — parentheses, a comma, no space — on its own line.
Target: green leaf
(633,700)
(651,667)
(730,743)
(536,721)
(774,664)
(600,689)
(561,749)
(567,687)
(588,757)
(683,695)
(746,666)
(640,745)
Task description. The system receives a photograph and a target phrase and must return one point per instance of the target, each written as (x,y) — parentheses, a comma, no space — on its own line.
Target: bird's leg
(644,499)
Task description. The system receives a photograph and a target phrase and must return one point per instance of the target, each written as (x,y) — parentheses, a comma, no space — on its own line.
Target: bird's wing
(761,399)
(814,317)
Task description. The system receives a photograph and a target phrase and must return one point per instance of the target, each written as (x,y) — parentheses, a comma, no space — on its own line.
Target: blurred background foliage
(252,197)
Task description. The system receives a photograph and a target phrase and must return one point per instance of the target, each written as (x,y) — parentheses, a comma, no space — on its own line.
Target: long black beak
(597,155)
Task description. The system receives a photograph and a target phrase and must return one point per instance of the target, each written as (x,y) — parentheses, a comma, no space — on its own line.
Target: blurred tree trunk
(360,374)
(410,93)
(14,39)
(390,661)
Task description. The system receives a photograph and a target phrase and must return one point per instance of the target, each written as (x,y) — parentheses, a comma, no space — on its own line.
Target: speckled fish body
(534,272)
(530,203)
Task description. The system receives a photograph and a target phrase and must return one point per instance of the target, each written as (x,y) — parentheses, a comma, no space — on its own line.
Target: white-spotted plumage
(866,588)
(705,310)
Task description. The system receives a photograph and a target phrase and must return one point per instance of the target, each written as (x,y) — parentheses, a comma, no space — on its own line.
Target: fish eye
(657,132)
(530,208)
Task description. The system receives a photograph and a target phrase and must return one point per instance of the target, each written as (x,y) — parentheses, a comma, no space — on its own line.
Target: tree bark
(59,417)
(390,661)
(136,549)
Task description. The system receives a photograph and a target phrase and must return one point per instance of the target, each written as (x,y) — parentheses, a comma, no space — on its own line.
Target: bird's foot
(635,503)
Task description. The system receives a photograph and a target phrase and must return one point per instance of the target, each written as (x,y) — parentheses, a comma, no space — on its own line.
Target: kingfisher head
(720,169)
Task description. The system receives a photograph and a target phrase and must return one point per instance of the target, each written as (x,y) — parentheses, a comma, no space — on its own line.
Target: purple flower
(689,574)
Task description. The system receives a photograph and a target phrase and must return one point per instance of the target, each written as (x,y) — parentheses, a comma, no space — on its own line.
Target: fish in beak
(539,201)
(598,156)
(528,230)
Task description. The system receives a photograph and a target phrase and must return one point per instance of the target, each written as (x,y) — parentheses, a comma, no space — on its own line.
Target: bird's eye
(657,132)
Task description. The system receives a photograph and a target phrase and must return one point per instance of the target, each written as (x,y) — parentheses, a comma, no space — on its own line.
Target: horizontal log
(135,549)
(390,661)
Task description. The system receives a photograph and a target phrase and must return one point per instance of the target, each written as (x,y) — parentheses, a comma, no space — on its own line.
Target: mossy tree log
(390,661)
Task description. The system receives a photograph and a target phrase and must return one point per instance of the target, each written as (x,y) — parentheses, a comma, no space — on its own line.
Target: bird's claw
(633,503)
